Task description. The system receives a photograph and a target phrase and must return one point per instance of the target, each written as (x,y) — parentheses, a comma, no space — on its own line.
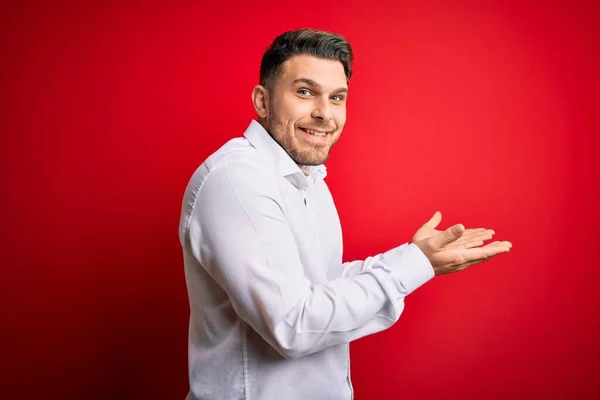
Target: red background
(487,111)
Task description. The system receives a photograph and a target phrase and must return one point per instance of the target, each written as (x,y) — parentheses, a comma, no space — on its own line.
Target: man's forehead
(323,71)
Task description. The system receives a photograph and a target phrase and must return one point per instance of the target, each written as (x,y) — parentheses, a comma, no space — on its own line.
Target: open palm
(473,237)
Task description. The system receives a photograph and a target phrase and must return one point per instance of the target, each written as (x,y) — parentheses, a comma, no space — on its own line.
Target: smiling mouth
(320,134)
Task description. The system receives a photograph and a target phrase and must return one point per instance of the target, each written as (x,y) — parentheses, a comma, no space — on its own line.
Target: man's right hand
(445,261)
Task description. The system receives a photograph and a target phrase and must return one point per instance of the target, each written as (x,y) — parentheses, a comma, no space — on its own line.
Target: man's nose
(322,110)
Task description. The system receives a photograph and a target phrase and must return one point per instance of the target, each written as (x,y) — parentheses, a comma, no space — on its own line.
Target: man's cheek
(303,109)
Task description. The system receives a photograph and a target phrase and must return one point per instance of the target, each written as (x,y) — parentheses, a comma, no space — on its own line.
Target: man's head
(301,99)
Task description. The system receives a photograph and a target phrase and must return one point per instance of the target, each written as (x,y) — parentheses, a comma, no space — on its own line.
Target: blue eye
(338,98)
(304,92)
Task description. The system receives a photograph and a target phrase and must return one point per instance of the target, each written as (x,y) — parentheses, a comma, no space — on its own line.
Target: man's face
(307,108)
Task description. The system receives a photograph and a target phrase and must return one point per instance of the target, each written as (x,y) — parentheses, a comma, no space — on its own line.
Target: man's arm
(353,268)
(469,239)
(239,233)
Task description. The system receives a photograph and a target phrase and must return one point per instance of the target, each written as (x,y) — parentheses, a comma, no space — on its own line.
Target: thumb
(448,236)
(435,220)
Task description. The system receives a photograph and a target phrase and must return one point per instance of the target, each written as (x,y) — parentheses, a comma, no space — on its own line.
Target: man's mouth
(314,132)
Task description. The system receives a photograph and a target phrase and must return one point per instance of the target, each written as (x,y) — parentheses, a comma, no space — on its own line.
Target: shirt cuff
(410,267)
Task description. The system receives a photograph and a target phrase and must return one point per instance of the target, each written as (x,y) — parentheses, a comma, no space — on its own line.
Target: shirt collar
(260,139)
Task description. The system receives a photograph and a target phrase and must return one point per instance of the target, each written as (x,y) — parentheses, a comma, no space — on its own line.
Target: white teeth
(319,134)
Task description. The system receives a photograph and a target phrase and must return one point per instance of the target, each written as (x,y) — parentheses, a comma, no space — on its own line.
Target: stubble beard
(310,154)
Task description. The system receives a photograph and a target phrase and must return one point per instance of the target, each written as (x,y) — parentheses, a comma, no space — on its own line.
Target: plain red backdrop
(487,111)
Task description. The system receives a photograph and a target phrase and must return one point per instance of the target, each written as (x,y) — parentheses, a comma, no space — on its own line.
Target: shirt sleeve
(239,233)
(353,268)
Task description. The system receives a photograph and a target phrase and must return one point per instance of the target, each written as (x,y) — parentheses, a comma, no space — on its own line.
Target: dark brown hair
(316,43)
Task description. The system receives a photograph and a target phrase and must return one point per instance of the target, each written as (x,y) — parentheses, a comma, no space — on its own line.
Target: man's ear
(260,100)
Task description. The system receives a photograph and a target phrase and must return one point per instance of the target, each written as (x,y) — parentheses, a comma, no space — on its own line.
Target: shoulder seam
(196,191)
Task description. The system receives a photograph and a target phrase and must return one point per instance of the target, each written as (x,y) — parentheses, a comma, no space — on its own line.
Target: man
(273,308)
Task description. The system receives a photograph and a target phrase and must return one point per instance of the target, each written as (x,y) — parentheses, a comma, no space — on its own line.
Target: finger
(484,252)
(475,230)
(464,245)
(474,241)
(435,220)
(484,235)
(479,231)
(448,236)
(500,246)
(501,243)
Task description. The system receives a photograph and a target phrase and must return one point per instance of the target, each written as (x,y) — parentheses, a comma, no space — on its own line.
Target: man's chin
(310,161)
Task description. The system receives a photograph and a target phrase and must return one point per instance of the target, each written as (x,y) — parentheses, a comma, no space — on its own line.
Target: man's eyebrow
(310,82)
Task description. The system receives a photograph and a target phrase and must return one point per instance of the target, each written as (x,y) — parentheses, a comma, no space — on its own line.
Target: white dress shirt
(272,306)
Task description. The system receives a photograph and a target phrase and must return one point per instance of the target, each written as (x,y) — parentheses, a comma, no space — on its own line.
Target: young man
(273,308)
